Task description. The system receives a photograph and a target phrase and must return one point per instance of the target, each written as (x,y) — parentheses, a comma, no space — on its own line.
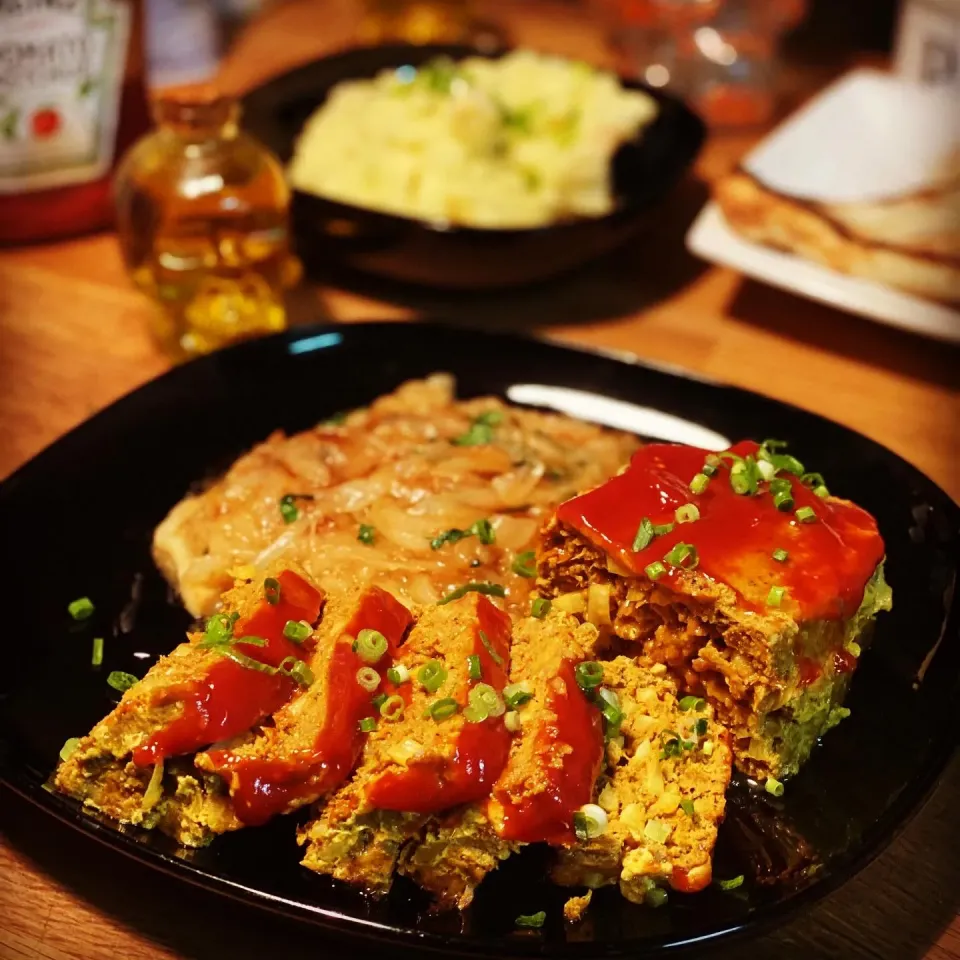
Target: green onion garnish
(539,607)
(670,745)
(481,430)
(700,727)
(816,483)
(655,570)
(96,657)
(806,515)
(288,509)
(775,596)
(516,694)
(378,701)
(782,493)
(121,681)
(474,670)
(731,884)
(370,646)
(296,669)
(271,591)
(368,678)
(392,708)
(398,674)
(644,536)
(533,921)
(524,564)
(432,675)
(81,608)
(701,481)
(368,724)
(453,535)
(686,806)
(744,476)
(297,630)
(609,704)
(367,534)
(489,647)
(483,702)
(443,709)
(69,748)
(683,555)
(489,589)
(773,787)
(490,418)
(692,703)
(219,630)
(483,530)
(780,555)
(656,897)
(584,826)
(688,513)
(589,674)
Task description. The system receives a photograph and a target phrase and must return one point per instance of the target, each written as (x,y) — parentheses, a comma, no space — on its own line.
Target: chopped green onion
(288,509)
(398,674)
(96,657)
(489,418)
(368,678)
(453,535)
(744,476)
(692,703)
(773,787)
(661,528)
(370,646)
(252,641)
(378,701)
(81,608)
(780,555)
(392,708)
(782,493)
(368,724)
(489,589)
(517,694)
(297,630)
(239,657)
(772,444)
(806,515)
(701,481)
(483,702)
(686,805)
(533,921)
(121,681)
(483,530)
(688,513)
(271,591)
(731,884)
(511,720)
(644,536)
(590,821)
(609,704)
(524,564)
(775,596)
(589,674)
(816,483)
(480,433)
(296,669)
(670,745)
(700,727)
(489,647)
(539,607)
(69,748)
(683,555)
(219,630)
(474,669)
(432,675)
(443,709)
(655,570)
(656,897)
(367,534)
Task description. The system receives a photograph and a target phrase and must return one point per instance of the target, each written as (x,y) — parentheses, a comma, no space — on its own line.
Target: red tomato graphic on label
(45,123)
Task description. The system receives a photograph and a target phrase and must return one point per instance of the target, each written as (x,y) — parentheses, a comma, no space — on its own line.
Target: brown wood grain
(73,337)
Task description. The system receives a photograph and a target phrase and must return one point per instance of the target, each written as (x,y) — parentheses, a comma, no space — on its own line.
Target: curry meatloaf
(439,743)
(416,493)
(662,794)
(135,765)
(738,572)
(554,761)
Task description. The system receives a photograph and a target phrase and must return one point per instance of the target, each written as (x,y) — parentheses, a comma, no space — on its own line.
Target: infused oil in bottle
(202,220)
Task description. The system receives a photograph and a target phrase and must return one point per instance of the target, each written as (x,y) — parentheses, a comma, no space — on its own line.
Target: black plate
(329,233)
(78,520)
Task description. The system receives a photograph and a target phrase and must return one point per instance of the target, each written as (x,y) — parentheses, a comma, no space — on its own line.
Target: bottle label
(61,77)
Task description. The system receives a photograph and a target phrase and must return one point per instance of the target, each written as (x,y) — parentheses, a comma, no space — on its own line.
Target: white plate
(887,137)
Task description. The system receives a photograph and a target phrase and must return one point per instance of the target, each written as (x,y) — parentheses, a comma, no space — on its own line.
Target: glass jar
(202,221)
(72,99)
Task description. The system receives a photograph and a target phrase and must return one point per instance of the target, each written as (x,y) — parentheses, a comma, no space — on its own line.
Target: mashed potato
(518,142)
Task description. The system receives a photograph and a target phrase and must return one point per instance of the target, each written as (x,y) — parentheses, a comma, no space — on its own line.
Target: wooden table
(73,338)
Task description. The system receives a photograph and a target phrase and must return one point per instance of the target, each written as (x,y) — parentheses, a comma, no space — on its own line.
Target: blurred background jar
(72,99)
(202,213)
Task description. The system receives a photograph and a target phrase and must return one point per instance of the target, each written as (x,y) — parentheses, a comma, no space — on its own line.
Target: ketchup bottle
(72,99)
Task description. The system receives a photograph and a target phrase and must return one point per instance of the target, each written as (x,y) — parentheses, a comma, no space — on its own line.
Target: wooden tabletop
(73,338)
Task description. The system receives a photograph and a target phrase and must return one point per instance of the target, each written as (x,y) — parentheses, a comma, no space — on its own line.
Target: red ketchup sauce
(231,698)
(481,749)
(830,560)
(263,788)
(547,816)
